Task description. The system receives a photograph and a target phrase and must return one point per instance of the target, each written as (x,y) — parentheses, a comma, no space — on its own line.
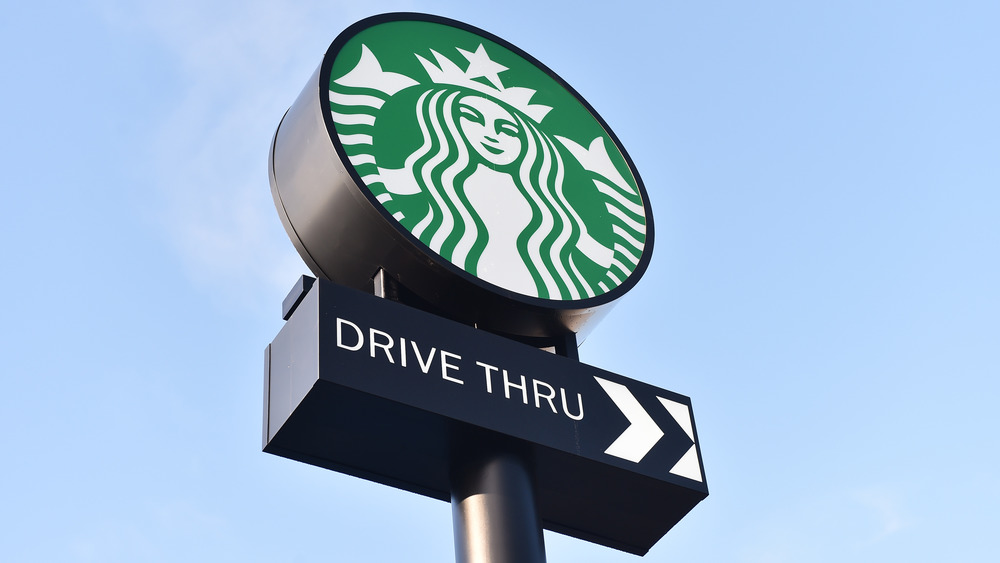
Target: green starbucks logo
(487,160)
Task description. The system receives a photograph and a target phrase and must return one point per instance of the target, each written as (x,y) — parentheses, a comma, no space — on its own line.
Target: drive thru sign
(379,390)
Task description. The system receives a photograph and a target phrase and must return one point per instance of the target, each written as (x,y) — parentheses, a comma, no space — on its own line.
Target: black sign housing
(382,391)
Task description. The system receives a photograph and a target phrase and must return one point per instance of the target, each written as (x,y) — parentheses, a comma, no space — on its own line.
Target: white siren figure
(491,182)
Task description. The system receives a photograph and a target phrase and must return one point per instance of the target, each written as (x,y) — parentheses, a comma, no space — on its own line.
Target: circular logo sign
(464,170)
(488,159)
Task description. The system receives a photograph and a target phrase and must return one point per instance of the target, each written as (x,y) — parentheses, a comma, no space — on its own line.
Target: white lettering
(507,385)
(445,366)
(489,375)
(340,335)
(351,337)
(535,384)
(579,402)
(373,344)
(424,366)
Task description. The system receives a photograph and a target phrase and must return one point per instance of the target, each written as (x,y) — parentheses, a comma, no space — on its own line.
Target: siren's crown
(482,66)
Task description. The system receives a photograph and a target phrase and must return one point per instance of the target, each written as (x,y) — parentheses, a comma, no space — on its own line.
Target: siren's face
(490,129)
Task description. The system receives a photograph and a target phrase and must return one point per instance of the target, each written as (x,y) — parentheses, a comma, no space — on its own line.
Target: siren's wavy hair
(453,229)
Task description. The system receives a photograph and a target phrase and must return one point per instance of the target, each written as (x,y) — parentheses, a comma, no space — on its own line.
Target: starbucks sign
(467,171)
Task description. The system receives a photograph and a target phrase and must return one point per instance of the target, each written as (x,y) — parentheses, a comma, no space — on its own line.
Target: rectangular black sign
(376,389)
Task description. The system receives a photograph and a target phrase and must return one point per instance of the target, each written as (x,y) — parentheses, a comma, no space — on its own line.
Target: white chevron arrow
(641,435)
(688,466)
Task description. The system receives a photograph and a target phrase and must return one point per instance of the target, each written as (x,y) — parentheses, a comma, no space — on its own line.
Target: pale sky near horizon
(825,182)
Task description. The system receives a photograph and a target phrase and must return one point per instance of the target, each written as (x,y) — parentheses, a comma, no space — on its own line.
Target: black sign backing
(379,390)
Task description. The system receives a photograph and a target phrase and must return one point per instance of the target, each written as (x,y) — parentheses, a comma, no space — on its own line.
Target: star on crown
(482,66)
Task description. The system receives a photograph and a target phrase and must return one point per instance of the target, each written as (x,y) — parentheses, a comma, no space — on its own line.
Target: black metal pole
(493,508)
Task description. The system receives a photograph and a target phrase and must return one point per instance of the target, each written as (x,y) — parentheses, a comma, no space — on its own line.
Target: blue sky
(825,179)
